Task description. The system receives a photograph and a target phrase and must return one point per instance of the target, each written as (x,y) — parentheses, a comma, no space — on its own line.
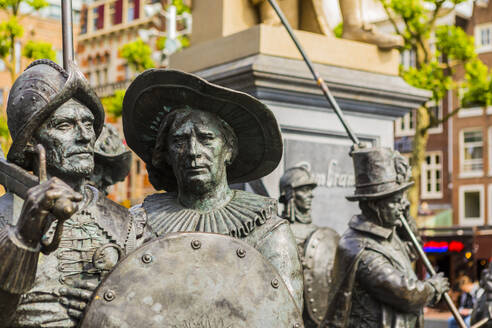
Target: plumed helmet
(295,177)
(36,94)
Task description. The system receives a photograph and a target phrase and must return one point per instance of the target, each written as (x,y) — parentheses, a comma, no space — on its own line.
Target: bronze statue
(80,232)
(374,283)
(308,15)
(316,245)
(482,311)
(111,158)
(196,138)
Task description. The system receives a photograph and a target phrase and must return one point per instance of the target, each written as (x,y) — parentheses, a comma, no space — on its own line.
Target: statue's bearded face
(68,137)
(198,152)
(303,198)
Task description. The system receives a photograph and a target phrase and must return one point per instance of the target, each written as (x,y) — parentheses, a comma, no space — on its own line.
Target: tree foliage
(11,30)
(439,50)
(138,55)
(38,50)
(114,104)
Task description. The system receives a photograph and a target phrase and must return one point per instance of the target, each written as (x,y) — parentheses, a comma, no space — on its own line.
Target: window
(471,153)
(95,18)
(408,59)
(405,126)
(130,14)
(431,176)
(471,202)
(2,66)
(483,37)
(437,110)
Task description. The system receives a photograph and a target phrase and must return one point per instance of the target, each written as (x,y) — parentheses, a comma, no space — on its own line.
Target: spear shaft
(319,80)
(67,32)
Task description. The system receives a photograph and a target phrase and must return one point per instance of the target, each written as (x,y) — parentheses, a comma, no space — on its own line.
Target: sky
(372,10)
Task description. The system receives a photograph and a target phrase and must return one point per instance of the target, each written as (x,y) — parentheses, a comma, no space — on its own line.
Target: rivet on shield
(320,318)
(146,258)
(109,295)
(311,300)
(315,310)
(241,252)
(196,244)
(275,283)
(297,325)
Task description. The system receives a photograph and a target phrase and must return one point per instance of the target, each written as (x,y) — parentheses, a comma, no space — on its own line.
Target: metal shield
(319,255)
(193,280)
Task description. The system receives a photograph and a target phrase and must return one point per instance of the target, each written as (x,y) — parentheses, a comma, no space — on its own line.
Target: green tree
(38,50)
(11,30)
(138,55)
(114,104)
(435,68)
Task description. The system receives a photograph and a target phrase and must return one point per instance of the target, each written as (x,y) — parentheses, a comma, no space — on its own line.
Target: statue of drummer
(80,232)
(196,138)
(316,245)
(374,284)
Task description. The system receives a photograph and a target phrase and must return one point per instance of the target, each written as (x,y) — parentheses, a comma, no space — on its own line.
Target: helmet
(36,94)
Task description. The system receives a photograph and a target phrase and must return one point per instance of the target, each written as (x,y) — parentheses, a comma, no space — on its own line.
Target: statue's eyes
(179,140)
(206,136)
(88,124)
(63,126)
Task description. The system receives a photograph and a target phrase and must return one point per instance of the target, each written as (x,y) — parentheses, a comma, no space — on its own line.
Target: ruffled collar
(238,218)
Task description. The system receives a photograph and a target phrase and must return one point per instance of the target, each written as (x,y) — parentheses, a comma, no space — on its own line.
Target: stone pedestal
(263,62)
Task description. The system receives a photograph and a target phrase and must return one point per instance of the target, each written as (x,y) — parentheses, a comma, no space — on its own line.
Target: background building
(456,201)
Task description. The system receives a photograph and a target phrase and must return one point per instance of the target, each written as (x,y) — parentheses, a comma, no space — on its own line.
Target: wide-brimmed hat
(153,93)
(379,173)
(295,177)
(36,94)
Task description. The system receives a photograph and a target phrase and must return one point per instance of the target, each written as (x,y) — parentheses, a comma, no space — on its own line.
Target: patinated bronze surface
(316,246)
(482,311)
(54,108)
(112,159)
(374,284)
(243,288)
(198,138)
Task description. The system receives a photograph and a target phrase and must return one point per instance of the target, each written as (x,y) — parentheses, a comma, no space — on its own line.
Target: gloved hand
(440,284)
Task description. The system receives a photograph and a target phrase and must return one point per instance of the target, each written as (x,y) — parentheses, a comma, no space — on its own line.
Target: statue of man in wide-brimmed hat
(197,138)
(374,284)
(316,245)
(80,233)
